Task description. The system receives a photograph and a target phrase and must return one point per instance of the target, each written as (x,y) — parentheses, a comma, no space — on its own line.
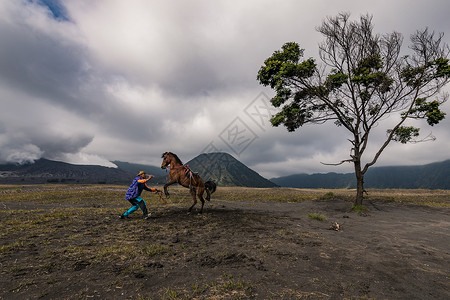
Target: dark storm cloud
(27,144)
(39,65)
(90,80)
(54,145)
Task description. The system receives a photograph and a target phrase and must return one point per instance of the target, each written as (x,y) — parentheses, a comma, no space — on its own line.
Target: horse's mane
(174,155)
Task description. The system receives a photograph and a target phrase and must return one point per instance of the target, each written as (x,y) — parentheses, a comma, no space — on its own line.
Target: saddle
(188,172)
(189,175)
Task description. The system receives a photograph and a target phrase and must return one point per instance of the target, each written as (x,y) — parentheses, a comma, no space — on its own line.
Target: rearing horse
(182,175)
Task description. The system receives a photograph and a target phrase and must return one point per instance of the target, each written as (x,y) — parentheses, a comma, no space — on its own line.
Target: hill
(135,168)
(44,170)
(328,180)
(222,168)
(225,170)
(430,176)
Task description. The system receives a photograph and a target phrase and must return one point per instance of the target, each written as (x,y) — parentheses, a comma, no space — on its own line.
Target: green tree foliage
(362,80)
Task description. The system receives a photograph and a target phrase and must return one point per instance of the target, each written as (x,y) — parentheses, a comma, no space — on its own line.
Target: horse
(182,175)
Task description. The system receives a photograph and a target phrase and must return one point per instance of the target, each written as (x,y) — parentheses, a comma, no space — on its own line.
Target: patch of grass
(54,216)
(317,217)
(229,287)
(171,294)
(105,195)
(114,252)
(80,194)
(133,268)
(18,225)
(329,195)
(359,209)
(72,249)
(235,286)
(198,289)
(154,250)
(225,287)
(284,195)
(432,198)
(8,248)
(47,268)
(23,285)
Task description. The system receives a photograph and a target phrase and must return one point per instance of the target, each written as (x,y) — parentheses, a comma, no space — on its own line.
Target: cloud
(92,81)
(30,130)
(55,7)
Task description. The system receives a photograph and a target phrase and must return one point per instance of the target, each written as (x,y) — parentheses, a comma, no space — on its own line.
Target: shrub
(359,208)
(317,217)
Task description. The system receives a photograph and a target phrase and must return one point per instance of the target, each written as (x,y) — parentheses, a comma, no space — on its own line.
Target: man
(134,195)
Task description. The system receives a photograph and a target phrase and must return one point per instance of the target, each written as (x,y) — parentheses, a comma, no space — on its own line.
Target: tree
(363,80)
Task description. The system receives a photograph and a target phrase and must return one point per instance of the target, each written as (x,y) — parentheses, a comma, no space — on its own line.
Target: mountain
(44,170)
(430,176)
(328,180)
(135,168)
(222,168)
(225,170)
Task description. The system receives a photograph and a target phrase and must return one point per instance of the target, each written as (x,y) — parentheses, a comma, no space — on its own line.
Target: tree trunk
(359,183)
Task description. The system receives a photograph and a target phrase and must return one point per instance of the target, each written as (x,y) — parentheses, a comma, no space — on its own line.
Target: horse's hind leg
(203,203)
(200,196)
(194,199)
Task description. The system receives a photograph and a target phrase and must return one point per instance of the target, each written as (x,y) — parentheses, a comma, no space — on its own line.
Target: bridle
(166,161)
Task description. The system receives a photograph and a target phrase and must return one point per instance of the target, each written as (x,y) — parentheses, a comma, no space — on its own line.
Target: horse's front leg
(166,191)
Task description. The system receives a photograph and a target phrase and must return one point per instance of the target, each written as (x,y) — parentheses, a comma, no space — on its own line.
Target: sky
(93,81)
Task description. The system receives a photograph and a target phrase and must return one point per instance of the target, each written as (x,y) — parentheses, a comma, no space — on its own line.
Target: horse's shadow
(216,212)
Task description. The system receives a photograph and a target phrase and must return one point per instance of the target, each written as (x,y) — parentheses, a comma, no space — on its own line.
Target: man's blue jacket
(136,188)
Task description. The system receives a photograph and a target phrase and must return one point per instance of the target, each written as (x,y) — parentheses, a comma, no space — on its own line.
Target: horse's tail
(211,186)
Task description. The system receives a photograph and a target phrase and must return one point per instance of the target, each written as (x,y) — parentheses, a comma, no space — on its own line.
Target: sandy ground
(234,250)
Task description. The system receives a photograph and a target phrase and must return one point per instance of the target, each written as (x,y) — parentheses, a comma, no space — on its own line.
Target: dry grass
(111,194)
(73,223)
(435,198)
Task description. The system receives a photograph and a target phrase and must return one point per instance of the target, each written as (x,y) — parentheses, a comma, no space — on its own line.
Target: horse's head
(171,159)
(166,160)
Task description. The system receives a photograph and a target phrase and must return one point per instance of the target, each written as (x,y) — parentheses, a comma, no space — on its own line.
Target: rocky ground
(237,249)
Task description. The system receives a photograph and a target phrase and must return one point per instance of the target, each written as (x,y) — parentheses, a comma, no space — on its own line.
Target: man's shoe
(146,217)
(123,217)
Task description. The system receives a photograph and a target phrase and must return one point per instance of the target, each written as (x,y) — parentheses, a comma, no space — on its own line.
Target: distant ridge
(225,170)
(430,176)
(222,168)
(49,171)
(135,168)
